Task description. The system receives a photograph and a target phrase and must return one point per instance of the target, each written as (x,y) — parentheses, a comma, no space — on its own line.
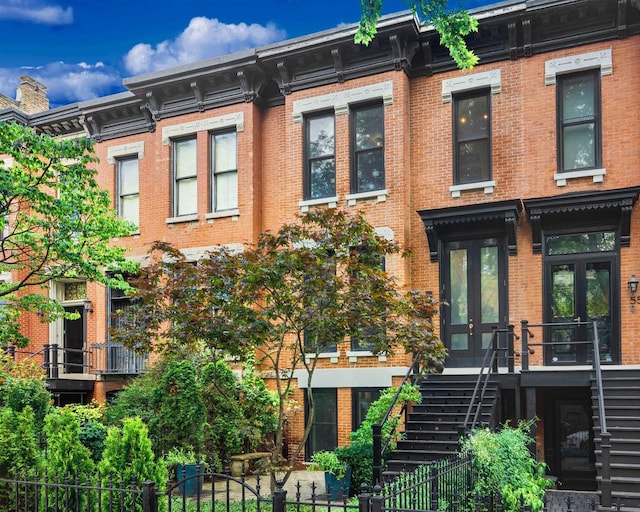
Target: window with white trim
(185,188)
(224,171)
(128,186)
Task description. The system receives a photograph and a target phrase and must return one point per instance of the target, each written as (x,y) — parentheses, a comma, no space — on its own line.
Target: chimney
(31,96)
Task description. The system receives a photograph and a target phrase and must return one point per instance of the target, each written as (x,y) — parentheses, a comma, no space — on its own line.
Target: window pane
(370,170)
(580,243)
(324,429)
(489,285)
(321,136)
(578,100)
(368,125)
(458,277)
(185,155)
(579,150)
(473,161)
(226,191)
(473,118)
(129,209)
(323,178)
(225,152)
(186,195)
(128,177)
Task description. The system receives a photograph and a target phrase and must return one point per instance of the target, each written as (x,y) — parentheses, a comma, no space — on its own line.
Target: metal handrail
(378,448)
(491,353)
(605,436)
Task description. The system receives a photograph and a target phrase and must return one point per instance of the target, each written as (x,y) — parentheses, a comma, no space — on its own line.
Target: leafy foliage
(66,456)
(452,26)
(179,413)
(18,447)
(128,458)
(409,394)
(22,384)
(360,458)
(56,223)
(503,464)
(93,430)
(297,292)
(328,462)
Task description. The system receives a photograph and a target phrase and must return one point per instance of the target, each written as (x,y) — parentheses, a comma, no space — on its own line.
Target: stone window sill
(331,202)
(234,214)
(332,356)
(562,177)
(379,195)
(488,187)
(182,218)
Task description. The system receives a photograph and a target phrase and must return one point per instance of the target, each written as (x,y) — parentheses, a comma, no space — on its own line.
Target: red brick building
(515,184)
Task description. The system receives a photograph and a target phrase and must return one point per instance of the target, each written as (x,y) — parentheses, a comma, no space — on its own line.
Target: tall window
(324,428)
(367,159)
(472,137)
(361,400)
(365,333)
(224,171)
(184,176)
(320,156)
(579,121)
(121,360)
(128,189)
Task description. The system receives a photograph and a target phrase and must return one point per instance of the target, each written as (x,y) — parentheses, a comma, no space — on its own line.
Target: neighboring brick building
(515,184)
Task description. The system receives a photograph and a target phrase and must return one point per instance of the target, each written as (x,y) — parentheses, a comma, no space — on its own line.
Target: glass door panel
(563,310)
(476,300)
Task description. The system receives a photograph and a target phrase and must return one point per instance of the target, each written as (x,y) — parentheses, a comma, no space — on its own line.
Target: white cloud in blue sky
(34,11)
(66,83)
(203,38)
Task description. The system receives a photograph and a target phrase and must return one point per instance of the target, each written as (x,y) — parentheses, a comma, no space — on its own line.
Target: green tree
(56,223)
(66,456)
(179,414)
(23,384)
(127,459)
(452,26)
(296,293)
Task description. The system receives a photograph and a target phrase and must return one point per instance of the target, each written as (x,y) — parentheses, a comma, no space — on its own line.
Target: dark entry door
(475,292)
(580,290)
(74,338)
(569,448)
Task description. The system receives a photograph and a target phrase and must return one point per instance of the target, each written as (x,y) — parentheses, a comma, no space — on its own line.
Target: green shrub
(93,431)
(128,458)
(66,456)
(503,464)
(360,458)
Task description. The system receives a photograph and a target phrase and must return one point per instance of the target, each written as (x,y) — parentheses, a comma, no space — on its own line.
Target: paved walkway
(299,481)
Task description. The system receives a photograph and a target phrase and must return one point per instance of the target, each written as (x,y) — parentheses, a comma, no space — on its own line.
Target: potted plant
(337,474)
(183,468)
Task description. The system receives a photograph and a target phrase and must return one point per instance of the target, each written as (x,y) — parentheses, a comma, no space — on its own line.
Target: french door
(475,291)
(581,276)
(580,291)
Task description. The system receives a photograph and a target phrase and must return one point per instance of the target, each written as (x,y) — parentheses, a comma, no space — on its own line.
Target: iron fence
(440,487)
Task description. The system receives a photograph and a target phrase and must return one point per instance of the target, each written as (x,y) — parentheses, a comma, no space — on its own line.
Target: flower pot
(337,488)
(189,479)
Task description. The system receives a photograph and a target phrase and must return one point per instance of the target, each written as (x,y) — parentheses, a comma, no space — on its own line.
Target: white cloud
(35,11)
(203,38)
(66,83)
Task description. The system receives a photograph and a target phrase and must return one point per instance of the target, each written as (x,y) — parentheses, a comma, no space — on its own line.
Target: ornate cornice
(586,209)
(486,217)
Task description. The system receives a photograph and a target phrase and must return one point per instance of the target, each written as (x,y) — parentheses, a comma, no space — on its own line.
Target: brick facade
(419,162)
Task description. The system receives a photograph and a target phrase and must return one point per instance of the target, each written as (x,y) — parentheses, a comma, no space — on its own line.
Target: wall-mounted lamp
(89,309)
(633,284)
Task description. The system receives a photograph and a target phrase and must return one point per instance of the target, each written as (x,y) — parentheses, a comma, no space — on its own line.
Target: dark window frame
(355,152)
(476,93)
(561,79)
(356,421)
(309,160)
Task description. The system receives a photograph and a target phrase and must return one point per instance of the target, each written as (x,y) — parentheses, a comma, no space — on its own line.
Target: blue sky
(82,49)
